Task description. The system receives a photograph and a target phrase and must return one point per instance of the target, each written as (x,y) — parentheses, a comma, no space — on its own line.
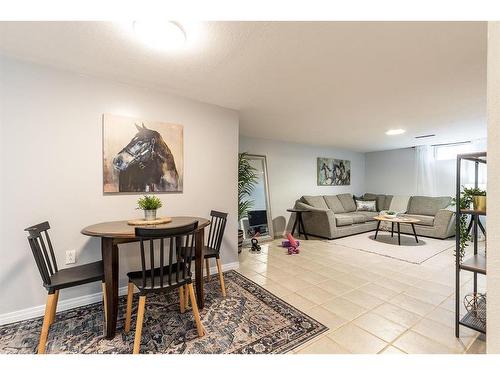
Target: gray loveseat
(334,216)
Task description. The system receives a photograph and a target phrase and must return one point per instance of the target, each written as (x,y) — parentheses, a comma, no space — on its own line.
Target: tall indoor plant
(247,179)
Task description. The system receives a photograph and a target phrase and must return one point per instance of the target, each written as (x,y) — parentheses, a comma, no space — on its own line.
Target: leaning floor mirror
(258,219)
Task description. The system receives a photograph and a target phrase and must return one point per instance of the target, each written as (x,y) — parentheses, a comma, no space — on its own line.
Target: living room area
(374,208)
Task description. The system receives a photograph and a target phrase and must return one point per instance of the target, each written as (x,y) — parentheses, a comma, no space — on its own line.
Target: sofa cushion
(424,219)
(343,219)
(347,202)
(358,218)
(380,198)
(333,202)
(387,202)
(368,214)
(315,201)
(427,205)
(366,205)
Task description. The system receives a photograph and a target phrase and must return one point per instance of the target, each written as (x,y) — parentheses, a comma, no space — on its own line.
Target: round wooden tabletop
(407,220)
(121,229)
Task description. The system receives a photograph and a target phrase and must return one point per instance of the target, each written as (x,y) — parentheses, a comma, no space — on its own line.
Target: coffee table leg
(399,235)
(414,231)
(376,231)
(392,229)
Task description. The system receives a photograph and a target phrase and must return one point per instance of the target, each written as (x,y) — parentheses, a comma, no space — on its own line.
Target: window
(450,152)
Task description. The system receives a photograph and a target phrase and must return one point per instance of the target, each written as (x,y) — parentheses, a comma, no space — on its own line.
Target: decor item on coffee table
(334,172)
(398,221)
(298,221)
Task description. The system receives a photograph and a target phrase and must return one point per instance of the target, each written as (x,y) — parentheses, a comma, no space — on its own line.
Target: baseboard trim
(71,303)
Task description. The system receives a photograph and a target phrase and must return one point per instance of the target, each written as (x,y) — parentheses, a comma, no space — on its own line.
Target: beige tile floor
(370,303)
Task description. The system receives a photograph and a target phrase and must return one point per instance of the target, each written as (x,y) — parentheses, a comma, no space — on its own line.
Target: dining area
(175,254)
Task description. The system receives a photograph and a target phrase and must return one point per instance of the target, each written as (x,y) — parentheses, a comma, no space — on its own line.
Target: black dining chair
(212,248)
(170,269)
(55,279)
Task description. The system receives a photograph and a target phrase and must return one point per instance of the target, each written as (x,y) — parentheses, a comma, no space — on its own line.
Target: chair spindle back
(176,249)
(217,227)
(42,249)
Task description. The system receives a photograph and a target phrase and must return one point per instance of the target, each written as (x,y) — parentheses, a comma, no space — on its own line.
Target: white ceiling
(329,83)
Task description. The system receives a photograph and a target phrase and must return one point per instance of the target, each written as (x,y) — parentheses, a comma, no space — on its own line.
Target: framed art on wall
(142,156)
(333,172)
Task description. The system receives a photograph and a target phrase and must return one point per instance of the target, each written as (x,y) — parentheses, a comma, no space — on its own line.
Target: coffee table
(398,221)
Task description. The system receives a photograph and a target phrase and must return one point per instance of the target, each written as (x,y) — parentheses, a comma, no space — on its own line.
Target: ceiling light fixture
(395,131)
(161,35)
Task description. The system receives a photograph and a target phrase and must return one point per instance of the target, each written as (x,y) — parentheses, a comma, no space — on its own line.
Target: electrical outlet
(70,256)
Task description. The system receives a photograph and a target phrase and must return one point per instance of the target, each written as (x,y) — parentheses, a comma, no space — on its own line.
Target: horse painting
(145,164)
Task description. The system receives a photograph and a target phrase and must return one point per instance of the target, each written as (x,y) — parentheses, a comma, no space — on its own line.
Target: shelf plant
(247,179)
(467,197)
(149,203)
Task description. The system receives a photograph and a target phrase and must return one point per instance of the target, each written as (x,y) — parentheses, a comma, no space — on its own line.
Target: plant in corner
(149,203)
(247,179)
(468,196)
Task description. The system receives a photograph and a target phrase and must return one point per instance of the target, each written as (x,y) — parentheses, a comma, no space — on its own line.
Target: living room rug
(249,320)
(409,251)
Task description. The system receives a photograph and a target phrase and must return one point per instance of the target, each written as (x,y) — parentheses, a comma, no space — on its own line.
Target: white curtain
(426,170)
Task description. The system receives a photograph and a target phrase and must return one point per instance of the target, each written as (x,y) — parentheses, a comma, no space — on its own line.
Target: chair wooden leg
(105,304)
(186,296)
(196,313)
(207,266)
(54,308)
(182,303)
(46,322)
(221,277)
(138,325)
(128,314)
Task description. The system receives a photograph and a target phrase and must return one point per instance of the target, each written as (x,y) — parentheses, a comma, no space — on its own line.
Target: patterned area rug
(249,320)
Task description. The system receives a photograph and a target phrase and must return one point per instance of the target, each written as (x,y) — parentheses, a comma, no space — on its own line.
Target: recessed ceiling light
(395,131)
(163,35)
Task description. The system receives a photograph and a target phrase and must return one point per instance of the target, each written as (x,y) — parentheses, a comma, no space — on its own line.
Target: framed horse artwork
(141,156)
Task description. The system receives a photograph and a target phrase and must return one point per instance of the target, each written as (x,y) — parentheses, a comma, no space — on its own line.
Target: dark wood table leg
(301,224)
(295,223)
(109,252)
(414,231)
(392,229)
(376,231)
(198,267)
(399,235)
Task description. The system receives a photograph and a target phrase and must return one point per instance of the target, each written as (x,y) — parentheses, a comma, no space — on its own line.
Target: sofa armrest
(319,221)
(444,222)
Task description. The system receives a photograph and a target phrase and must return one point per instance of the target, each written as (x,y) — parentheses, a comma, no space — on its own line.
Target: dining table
(114,233)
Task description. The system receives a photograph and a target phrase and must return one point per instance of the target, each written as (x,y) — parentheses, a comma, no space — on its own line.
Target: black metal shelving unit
(477,262)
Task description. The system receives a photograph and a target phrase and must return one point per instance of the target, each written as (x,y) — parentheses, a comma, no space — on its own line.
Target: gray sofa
(335,216)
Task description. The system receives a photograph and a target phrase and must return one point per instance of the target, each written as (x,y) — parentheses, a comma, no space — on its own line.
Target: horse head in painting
(146,163)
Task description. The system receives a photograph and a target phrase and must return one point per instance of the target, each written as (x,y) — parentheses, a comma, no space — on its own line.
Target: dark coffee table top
(298,210)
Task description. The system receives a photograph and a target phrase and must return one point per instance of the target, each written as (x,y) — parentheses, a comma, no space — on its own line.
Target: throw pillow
(362,205)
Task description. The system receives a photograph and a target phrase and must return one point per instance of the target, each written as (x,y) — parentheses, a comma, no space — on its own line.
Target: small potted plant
(391,214)
(478,198)
(149,203)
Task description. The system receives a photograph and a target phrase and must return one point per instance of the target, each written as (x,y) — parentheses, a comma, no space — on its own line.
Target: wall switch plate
(70,256)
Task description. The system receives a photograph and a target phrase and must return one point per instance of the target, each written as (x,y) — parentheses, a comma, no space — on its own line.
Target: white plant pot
(149,215)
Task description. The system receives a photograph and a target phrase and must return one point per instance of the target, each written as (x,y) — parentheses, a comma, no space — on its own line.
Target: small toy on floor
(255,244)
(293,247)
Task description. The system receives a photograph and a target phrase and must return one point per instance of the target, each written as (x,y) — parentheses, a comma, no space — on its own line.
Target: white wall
(493,202)
(394,172)
(51,168)
(292,173)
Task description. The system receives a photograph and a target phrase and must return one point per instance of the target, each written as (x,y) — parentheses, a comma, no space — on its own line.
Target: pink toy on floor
(294,245)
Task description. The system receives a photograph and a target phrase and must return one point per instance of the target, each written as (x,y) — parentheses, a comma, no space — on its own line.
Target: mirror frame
(270,236)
